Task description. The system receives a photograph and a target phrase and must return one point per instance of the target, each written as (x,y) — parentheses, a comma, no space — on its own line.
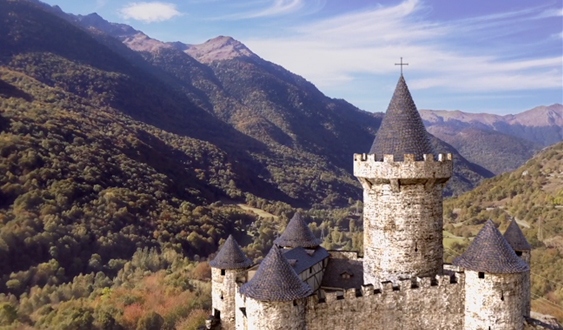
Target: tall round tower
(402,185)
(522,248)
(275,296)
(229,264)
(494,278)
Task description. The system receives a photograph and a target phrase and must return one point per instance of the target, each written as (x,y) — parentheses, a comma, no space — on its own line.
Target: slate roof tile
(230,256)
(275,280)
(515,237)
(296,234)
(401,131)
(490,252)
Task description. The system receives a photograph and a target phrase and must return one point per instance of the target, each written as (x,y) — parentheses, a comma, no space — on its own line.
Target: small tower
(229,264)
(275,296)
(297,234)
(402,196)
(522,248)
(493,282)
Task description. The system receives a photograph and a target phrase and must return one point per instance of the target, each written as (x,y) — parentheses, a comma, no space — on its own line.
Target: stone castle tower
(402,196)
(400,282)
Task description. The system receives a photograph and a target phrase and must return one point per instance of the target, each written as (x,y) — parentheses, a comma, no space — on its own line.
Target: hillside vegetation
(533,195)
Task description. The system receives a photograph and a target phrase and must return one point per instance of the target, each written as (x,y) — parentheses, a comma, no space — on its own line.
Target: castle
(401,281)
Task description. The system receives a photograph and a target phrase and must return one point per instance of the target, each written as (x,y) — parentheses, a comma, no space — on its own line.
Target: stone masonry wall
(433,304)
(263,315)
(402,216)
(223,291)
(493,302)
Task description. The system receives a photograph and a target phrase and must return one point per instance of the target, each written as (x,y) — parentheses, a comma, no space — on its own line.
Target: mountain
(498,143)
(533,195)
(267,102)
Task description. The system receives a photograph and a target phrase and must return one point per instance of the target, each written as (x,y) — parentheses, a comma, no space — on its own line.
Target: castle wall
(402,216)
(223,291)
(493,301)
(432,304)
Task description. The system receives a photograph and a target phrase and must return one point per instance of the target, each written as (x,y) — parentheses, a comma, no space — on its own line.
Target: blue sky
(475,56)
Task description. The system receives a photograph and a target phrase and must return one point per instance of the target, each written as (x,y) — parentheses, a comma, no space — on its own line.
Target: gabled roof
(305,259)
(515,238)
(336,267)
(401,131)
(230,256)
(275,280)
(297,233)
(489,252)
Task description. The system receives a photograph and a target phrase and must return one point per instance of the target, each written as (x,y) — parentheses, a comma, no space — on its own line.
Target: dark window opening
(222,272)
(453,279)
(519,253)
(310,270)
(415,247)
(243,311)
(217,313)
(295,303)
(481,275)
(433,282)
(339,297)
(221,296)
(502,296)
(376,291)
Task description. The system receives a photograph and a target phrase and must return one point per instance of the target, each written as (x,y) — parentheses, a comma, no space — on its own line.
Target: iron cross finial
(401,64)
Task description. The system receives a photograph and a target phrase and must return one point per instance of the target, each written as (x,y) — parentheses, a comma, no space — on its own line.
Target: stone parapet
(419,303)
(366,166)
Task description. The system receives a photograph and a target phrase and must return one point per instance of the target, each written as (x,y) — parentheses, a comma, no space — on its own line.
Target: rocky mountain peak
(218,49)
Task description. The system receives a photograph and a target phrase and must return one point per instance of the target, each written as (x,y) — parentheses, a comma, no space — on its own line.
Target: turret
(402,184)
(522,248)
(229,265)
(297,234)
(493,282)
(275,296)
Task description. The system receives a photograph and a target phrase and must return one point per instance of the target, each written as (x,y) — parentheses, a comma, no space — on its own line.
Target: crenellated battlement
(417,286)
(366,166)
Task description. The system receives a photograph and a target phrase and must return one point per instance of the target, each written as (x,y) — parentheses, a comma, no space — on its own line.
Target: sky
(476,56)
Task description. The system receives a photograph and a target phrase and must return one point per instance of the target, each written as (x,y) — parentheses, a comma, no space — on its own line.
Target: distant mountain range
(498,143)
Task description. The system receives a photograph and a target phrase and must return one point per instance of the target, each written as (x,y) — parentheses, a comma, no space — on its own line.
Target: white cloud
(273,8)
(149,12)
(332,51)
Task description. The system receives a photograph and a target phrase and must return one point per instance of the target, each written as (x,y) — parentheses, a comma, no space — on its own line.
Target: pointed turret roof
(230,256)
(401,131)
(297,233)
(489,252)
(515,238)
(275,280)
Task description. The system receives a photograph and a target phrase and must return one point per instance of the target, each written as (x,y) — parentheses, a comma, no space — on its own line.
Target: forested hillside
(533,195)
(118,167)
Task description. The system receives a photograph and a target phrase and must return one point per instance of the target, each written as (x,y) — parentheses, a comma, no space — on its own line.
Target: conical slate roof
(515,238)
(230,256)
(401,131)
(275,280)
(296,234)
(489,252)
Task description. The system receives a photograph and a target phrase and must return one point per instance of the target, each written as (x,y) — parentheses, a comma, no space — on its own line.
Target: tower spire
(402,131)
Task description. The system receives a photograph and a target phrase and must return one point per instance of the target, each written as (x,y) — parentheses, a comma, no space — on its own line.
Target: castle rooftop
(401,131)
(490,252)
(275,280)
(515,238)
(297,234)
(230,256)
